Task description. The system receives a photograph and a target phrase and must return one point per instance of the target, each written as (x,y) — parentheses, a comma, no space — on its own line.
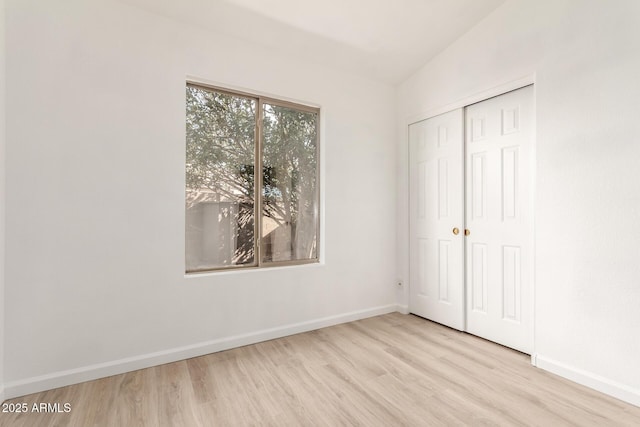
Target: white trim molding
(116,367)
(402,309)
(474,98)
(604,385)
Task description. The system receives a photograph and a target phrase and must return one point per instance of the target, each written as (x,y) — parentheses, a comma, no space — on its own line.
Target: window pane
(219,179)
(290,192)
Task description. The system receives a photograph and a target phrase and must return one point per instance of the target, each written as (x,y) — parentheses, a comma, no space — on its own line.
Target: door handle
(455,230)
(466,232)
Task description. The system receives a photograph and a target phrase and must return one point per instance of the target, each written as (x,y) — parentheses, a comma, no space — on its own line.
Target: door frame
(462,103)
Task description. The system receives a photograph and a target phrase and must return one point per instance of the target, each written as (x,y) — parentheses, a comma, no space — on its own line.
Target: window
(234,217)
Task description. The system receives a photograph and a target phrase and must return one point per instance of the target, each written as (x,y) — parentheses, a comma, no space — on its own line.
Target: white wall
(95,195)
(584,54)
(2,191)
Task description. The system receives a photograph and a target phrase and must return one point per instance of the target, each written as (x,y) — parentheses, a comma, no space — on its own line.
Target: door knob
(455,230)
(466,232)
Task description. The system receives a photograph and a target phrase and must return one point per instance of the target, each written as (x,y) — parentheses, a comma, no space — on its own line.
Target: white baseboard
(101,370)
(403,309)
(604,385)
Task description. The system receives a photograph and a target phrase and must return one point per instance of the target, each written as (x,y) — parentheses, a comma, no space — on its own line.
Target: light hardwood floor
(391,370)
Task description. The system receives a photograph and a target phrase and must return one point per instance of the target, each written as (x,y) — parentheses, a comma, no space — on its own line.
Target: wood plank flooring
(391,370)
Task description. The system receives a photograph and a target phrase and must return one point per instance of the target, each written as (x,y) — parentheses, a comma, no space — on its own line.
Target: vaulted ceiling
(384,39)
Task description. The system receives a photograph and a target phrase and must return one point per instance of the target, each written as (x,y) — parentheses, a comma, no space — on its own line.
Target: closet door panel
(498,144)
(436,209)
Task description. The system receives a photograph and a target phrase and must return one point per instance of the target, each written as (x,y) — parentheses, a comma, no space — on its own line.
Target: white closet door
(436,209)
(499,137)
